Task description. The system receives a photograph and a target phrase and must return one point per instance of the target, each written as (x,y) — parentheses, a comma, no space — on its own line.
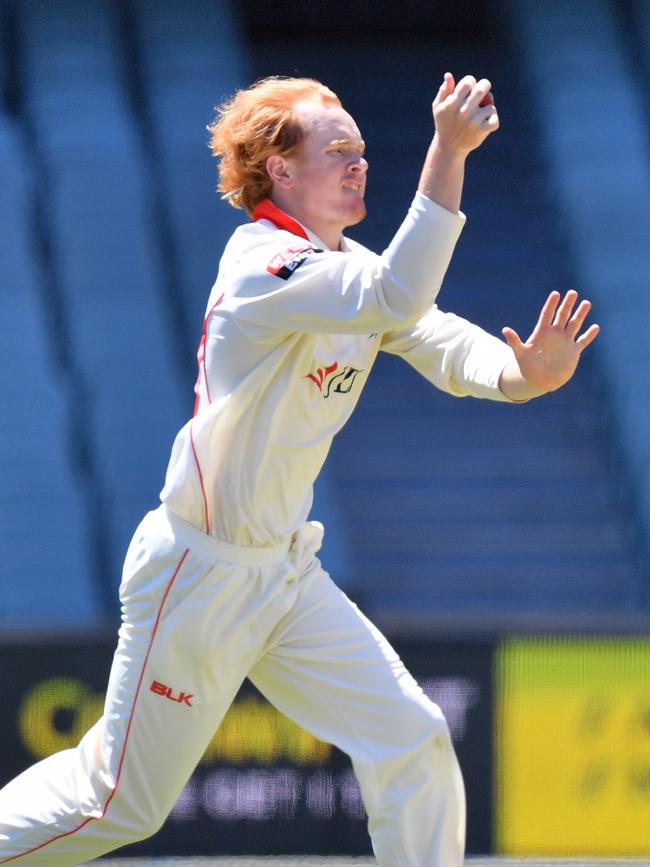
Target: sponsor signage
(573,747)
(264,785)
(284,264)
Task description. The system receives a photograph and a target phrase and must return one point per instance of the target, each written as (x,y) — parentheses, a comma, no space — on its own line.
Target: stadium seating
(106,256)
(191,57)
(46,575)
(438,511)
(596,135)
(640,21)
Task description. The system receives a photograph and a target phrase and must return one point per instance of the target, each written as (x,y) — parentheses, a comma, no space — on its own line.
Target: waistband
(191,537)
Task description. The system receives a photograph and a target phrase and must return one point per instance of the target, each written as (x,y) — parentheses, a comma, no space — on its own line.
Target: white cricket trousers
(200,615)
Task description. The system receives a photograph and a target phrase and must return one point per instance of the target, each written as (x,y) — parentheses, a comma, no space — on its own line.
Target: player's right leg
(193,620)
(328,668)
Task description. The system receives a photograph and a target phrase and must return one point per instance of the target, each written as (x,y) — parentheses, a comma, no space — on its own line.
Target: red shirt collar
(266,210)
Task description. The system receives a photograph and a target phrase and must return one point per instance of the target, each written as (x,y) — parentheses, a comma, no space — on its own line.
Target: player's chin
(356,212)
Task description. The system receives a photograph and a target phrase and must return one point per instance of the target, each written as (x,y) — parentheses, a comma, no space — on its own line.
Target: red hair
(253,125)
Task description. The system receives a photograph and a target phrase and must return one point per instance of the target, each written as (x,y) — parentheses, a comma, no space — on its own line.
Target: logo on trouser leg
(168,692)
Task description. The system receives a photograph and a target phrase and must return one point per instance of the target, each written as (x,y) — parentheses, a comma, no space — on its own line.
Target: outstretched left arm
(548,359)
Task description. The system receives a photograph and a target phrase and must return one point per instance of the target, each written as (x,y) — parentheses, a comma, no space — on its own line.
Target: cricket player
(222,580)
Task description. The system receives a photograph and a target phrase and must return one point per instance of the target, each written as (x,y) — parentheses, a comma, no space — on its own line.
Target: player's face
(329,172)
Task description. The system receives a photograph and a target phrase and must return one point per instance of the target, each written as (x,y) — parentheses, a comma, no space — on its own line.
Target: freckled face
(329,172)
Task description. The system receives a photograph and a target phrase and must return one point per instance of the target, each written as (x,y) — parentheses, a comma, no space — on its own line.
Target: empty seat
(46,575)
(104,248)
(595,133)
(192,57)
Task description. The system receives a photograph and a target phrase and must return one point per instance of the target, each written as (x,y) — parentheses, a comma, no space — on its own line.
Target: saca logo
(283,264)
(330,380)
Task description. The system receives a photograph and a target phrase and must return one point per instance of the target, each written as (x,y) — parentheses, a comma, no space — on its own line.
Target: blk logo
(168,692)
(330,380)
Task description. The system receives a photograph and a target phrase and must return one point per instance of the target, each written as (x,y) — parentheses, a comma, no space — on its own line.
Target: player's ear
(279,171)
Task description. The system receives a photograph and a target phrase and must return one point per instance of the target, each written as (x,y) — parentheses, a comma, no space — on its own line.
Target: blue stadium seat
(100,211)
(596,135)
(45,576)
(443,509)
(193,56)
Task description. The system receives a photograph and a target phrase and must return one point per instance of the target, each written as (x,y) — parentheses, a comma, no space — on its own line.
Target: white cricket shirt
(291,332)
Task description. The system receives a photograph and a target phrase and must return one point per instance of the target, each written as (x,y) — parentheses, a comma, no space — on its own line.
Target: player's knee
(425,749)
(428,761)
(434,739)
(422,728)
(141,828)
(436,753)
(423,724)
(152,825)
(133,822)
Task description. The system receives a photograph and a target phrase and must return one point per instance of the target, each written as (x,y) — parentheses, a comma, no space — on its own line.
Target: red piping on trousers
(128,729)
(198,467)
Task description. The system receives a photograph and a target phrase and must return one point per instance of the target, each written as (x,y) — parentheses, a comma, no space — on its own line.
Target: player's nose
(360,165)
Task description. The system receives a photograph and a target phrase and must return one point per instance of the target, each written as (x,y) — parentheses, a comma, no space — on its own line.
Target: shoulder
(259,251)
(255,241)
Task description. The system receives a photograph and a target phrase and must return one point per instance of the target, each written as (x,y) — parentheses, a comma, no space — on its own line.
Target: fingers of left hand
(549,308)
(567,320)
(565,309)
(588,337)
(513,340)
(576,322)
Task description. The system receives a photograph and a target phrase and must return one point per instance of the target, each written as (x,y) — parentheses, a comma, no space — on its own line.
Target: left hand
(548,359)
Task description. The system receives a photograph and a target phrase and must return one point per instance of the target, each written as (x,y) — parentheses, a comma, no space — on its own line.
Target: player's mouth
(354,186)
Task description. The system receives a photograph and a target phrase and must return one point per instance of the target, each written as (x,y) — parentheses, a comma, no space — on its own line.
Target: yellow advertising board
(573,747)
(252,731)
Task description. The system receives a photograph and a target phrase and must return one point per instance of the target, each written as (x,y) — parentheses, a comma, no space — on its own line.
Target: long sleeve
(287,283)
(455,355)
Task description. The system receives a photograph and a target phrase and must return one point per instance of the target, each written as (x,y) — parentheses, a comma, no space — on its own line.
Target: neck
(329,233)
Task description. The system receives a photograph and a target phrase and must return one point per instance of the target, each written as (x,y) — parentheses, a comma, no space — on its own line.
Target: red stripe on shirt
(200,356)
(198,467)
(205,340)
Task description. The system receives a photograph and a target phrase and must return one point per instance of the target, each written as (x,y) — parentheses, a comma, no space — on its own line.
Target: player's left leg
(329,669)
(196,613)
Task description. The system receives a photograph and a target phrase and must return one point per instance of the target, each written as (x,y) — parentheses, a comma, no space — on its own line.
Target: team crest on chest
(334,380)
